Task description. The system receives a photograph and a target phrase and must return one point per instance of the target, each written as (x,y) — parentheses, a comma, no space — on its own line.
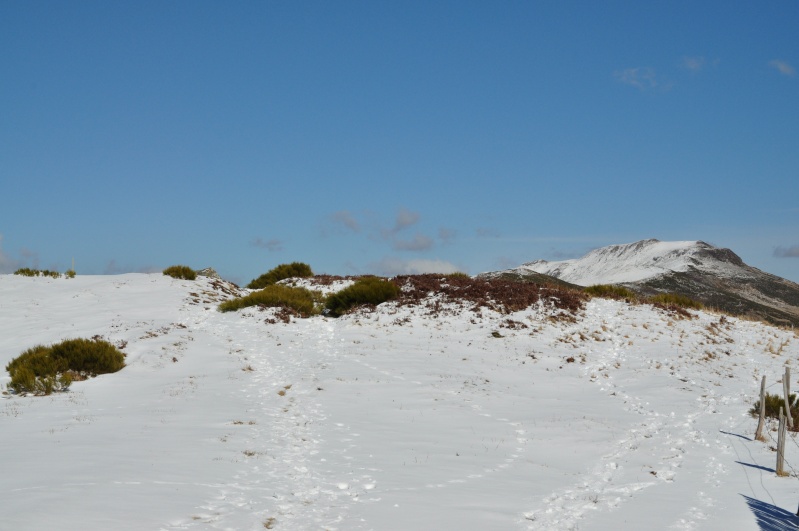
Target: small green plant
(773,405)
(281,272)
(69,273)
(366,290)
(611,291)
(180,272)
(675,299)
(301,300)
(41,370)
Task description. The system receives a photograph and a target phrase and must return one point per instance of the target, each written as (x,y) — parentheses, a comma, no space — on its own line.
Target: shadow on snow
(763,468)
(770,517)
(744,437)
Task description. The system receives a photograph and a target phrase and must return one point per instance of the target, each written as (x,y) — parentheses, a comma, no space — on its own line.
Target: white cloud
(783,67)
(396,266)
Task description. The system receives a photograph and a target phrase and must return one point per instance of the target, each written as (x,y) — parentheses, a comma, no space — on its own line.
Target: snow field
(388,419)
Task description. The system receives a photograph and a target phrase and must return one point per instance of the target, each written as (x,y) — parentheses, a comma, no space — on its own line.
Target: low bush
(180,272)
(675,299)
(457,274)
(70,273)
(499,294)
(611,291)
(366,290)
(28,272)
(773,405)
(41,370)
(281,272)
(301,300)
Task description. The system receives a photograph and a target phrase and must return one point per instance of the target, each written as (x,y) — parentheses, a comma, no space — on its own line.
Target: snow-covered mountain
(715,276)
(634,262)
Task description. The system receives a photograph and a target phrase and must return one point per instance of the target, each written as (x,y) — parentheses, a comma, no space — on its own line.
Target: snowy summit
(634,262)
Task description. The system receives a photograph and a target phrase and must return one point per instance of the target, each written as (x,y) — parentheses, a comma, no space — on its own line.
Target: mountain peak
(637,261)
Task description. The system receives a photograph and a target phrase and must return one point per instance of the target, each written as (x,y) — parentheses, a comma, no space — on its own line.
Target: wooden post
(780,458)
(786,387)
(762,421)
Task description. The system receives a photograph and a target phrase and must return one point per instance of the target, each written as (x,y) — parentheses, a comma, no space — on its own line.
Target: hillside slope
(432,415)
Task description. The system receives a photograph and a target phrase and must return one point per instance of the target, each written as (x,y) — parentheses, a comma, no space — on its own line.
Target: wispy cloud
(113,268)
(487,232)
(694,64)
(396,266)
(405,219)
(7,264)
(446,235)
(787,252)
(31,258)
(783,67)
(642,78)
(419,242)
(345,218)
(269,245)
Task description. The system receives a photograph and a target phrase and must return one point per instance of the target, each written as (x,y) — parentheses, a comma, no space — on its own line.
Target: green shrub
(281,272)
(41,370)
(181,272)
(300,300)
(675,299)
(366,290)
(70,273)
(773,405)
(610,291)
(28,272)
(458,274)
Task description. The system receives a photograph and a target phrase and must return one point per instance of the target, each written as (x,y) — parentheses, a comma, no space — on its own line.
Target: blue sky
(393,137)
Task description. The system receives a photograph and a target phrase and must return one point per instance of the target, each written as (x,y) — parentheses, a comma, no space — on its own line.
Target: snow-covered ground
(626,418)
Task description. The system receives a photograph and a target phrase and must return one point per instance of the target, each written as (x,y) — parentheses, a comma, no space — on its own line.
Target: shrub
(181,272)
(499,294)
(41,370)
(675,299)
(457,274)
(773,405)
(70,273)
(610,291)
(281,272)
(366,290)
(28,272)
(300,300)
